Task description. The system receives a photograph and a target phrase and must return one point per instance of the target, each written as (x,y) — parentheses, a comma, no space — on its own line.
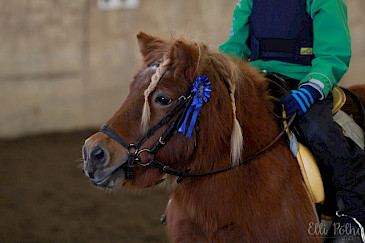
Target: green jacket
(331,44)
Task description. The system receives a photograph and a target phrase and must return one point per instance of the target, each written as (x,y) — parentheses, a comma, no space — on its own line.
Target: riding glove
(299,101)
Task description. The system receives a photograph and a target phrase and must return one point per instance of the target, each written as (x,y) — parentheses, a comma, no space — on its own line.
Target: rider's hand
(299,101)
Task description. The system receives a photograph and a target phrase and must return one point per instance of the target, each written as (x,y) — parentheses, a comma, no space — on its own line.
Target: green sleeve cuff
(320,80)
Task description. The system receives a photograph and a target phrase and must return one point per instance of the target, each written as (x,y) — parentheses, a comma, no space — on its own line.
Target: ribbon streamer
(202,90)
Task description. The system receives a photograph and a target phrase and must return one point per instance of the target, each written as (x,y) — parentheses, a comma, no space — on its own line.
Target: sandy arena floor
(44,197)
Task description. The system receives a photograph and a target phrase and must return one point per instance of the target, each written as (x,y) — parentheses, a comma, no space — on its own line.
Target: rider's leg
(341,157)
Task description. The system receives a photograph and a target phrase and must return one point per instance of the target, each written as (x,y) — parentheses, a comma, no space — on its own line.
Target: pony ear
(144,42)
(182,57)
(151,46)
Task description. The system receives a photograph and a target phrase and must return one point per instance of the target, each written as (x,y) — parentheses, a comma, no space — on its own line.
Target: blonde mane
(233,77)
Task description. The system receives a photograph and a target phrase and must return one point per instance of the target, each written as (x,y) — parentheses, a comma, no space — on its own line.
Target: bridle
(133,149)
(180,108)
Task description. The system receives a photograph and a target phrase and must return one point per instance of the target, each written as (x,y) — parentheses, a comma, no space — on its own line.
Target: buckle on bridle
(132,159)
(129,168)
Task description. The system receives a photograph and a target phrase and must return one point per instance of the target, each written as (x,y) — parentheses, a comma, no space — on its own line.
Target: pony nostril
(98,156)
(91,175)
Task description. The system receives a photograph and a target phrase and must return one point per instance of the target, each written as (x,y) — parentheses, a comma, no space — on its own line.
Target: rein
(184,174)
(181,106)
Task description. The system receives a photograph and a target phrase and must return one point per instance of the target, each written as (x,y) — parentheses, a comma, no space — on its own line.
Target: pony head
(169,70)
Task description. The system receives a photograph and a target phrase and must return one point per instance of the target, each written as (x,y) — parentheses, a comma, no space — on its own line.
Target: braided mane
(146,113)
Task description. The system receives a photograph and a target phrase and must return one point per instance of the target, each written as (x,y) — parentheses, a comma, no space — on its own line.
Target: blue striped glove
(299,101)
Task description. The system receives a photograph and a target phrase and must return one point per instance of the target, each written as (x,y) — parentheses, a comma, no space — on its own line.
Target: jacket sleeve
(331,46)
(239,32)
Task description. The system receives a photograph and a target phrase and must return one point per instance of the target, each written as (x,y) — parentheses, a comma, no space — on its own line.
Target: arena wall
(66,65)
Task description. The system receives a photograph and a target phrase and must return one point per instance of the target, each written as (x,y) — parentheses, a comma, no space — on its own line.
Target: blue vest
(281,30)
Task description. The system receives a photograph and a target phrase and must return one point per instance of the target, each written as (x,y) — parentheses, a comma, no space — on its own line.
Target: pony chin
(117,184)
(143,178)
(112,184)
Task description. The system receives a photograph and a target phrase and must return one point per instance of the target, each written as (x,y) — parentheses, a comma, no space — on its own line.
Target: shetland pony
(261,199)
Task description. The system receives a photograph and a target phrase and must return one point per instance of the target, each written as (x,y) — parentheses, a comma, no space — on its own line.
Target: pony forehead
(148,69)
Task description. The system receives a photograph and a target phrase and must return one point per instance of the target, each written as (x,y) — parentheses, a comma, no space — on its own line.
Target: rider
(308,43)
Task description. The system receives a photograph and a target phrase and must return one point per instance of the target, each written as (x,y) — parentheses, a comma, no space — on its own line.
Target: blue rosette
(201,91)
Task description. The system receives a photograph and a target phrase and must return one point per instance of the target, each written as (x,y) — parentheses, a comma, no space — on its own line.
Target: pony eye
(154,65)
(163,101)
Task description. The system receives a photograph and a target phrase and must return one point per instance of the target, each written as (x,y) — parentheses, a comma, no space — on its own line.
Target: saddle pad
(350,128)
